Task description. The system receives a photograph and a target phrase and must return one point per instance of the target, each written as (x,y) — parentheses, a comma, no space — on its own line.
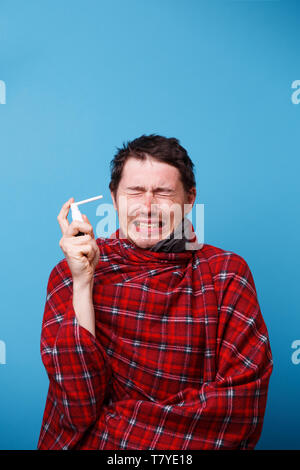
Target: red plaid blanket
(181,358)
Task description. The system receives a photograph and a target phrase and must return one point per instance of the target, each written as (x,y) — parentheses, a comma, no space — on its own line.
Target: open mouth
(148,226)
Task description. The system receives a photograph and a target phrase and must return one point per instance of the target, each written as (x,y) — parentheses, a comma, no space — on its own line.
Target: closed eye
(135,190)
(134,193)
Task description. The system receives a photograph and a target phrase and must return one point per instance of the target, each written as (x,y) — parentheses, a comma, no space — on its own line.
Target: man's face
(150,201)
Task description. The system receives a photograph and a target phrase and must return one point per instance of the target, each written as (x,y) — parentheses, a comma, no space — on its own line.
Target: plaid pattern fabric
(181,358)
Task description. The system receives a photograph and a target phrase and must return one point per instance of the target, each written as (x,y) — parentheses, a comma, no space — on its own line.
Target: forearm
(79,373)
(83,306)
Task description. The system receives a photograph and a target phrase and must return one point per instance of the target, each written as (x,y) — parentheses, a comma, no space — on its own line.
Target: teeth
(146,225)
(143,225)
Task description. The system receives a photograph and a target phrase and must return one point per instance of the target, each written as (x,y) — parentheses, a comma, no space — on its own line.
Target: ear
(191,196)
(113,200)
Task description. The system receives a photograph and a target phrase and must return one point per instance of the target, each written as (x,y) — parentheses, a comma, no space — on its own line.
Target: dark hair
(163,149)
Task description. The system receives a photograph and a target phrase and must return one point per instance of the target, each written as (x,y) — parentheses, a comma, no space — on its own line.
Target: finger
(88,251)
(62,216)
(77,226)
(87,220)
(82,240)
(95,244)
(71,244)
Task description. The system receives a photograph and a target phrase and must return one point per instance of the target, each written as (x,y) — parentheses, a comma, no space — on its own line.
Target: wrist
(83,305)
(83,286)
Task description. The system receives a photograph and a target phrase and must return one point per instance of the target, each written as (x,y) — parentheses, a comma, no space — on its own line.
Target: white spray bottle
(76,214)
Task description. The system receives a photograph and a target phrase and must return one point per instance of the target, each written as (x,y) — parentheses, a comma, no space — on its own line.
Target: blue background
(81,78)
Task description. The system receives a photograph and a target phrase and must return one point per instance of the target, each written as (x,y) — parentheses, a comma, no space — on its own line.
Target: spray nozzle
(76,214)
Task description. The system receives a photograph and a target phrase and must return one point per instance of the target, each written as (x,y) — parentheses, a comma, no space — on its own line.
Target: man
(149,344)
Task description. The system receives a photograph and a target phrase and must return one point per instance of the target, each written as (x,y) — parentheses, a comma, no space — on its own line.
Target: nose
(148,202)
